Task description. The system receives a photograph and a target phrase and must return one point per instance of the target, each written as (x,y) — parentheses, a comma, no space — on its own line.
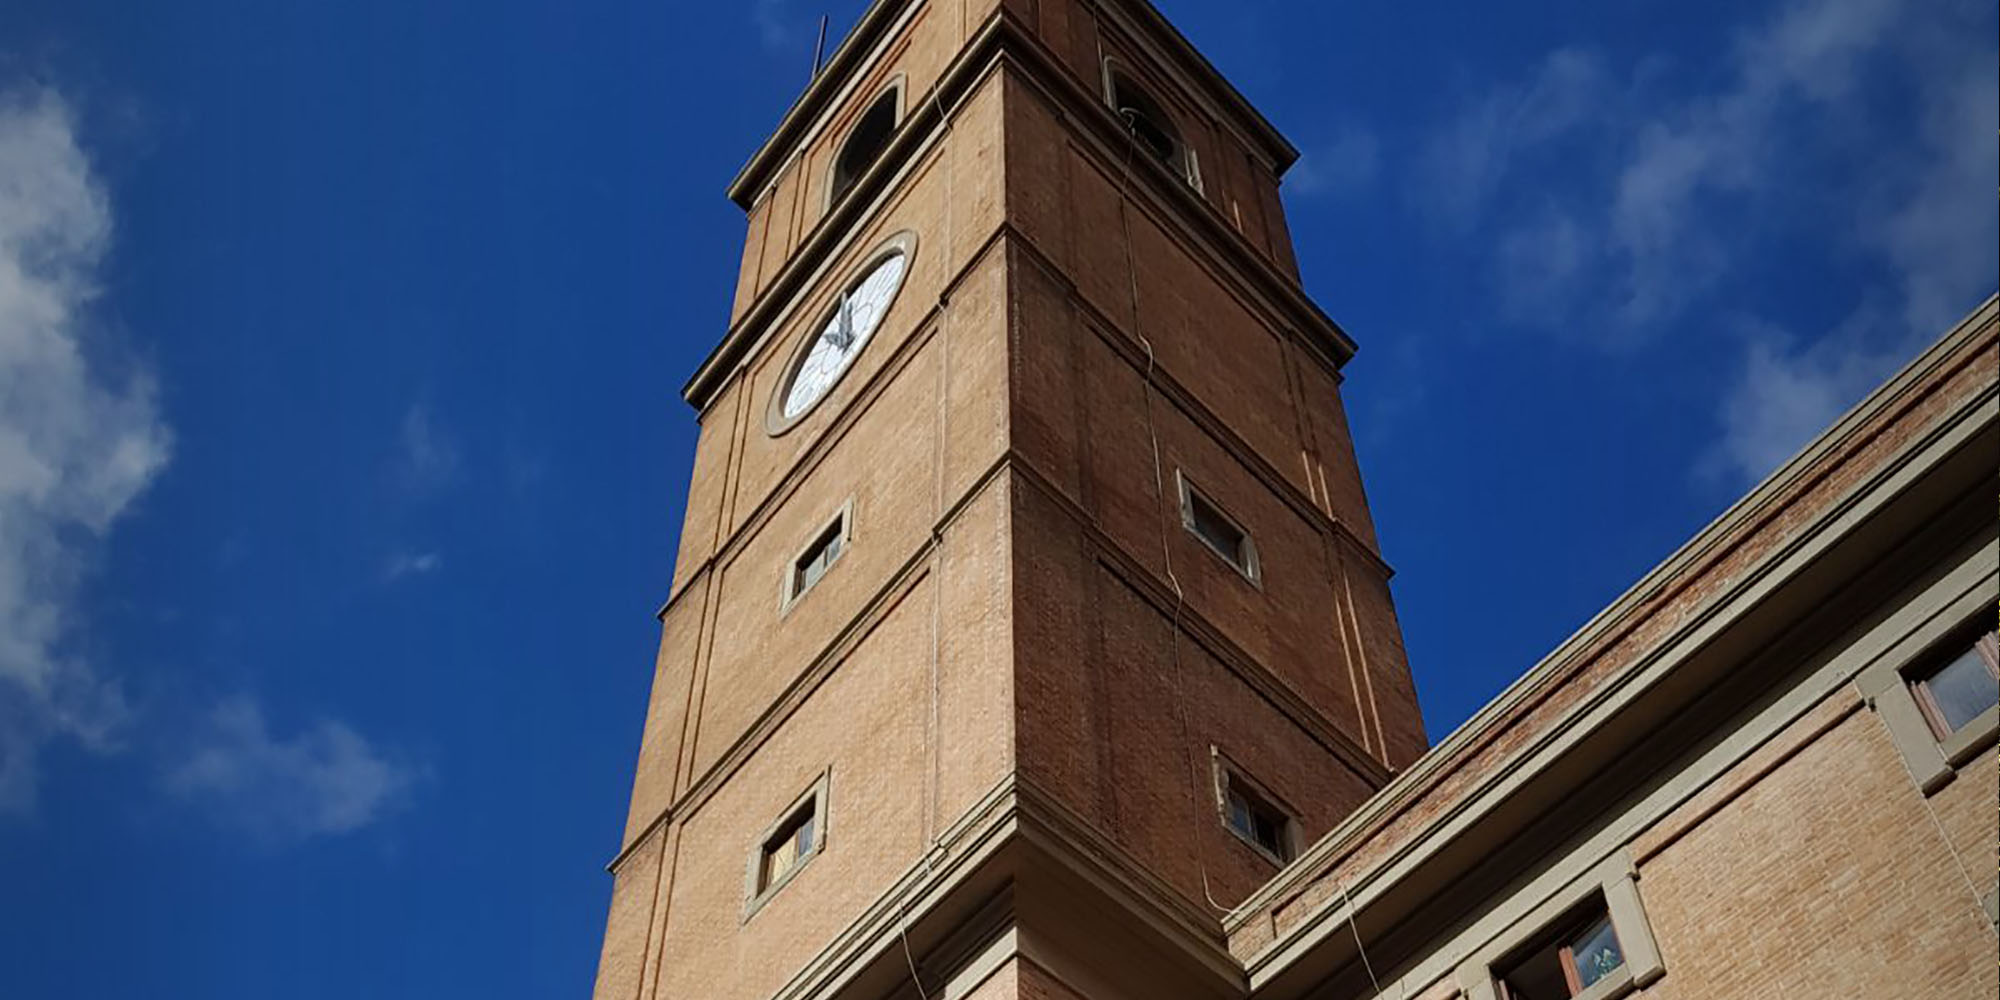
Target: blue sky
(341,453)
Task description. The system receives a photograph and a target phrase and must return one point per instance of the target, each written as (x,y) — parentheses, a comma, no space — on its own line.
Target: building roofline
(1000,40)
(1974,416)
(872,30)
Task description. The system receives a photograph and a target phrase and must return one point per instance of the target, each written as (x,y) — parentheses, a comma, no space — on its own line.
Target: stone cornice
(1927,464)
(870,37)
(1180,211)
(966,889)
(1120,342)
(1143,581)
(915,569)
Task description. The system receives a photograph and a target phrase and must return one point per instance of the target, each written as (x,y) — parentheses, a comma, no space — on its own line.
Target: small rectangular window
(1580,952)
(818,557)
(1253,816)
(1958,689)
(816,560)
(786,846)
(1206,521)
(793,843)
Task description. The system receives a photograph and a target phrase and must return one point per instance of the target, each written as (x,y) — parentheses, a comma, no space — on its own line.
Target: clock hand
(843,332)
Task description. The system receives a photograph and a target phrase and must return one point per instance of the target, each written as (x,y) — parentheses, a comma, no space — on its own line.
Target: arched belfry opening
(865,142)
(1152,128)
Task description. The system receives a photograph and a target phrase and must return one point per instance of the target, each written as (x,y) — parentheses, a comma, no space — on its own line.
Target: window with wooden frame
(1933,688)
(1205,519)
(786,846)
(813,562)
(865,142)
(792,844)
(1957,688)
(1578,957)
(1254,815)
(1588,940)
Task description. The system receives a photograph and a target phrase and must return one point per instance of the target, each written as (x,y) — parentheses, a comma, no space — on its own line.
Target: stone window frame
(1246,561)
(1616,883)
(1186,165)
(1886,686)
(898,85)
(755,894)
(842,524)
(1982,647)
(1227,773)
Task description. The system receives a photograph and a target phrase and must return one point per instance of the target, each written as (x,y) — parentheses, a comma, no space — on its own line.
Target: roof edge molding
(875,30)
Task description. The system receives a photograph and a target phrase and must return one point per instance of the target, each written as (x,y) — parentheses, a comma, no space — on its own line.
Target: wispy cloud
(1641,197)
(1345,165)
(403,564)
(1787,389)
(1617,208)
(77,447)
(426,455)
(322,781)
(775,23)
(1933,220)
(1463,164)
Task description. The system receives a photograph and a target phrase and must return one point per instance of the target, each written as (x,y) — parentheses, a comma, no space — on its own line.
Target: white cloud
(1343,166)
(1464,163)
(1655,193)
(774,21)
(323,781)
(427,455)
(77,448)
(404,564)
(1649,202)
(1940,232)
(1935,224)
(1786,391)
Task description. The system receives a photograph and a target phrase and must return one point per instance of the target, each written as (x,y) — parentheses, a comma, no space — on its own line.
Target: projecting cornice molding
(871,36)
(1907,466)
(983,893)
(1002,41)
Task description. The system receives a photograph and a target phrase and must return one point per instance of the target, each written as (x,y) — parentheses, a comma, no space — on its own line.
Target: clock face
(855,317)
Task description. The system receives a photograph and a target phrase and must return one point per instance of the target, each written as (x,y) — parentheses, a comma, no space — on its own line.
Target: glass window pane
(1597,953)
(1214,528)
(1963,690)
(1239,813)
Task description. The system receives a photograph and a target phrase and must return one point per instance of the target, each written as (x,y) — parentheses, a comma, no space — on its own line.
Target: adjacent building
(1029,635)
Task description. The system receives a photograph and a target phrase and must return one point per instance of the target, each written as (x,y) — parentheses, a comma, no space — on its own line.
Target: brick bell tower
(1028,611)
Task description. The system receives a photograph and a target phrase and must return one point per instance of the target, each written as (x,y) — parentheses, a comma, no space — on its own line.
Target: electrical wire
(1166,535)
(933,843)
(1978,906)
(1167,558)
(1354,925)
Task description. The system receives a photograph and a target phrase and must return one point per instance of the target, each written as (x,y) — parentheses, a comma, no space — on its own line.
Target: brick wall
(1823,878)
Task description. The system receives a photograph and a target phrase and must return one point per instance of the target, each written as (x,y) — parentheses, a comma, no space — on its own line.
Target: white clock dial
(855,317)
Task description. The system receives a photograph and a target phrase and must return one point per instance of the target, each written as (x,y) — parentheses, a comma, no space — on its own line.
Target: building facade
(1029,636)
(1768,768)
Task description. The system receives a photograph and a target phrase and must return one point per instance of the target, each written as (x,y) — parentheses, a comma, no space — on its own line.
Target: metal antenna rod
(819,47)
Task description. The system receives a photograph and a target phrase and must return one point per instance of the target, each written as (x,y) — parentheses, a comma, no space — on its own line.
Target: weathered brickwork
(1020,679)
(1018,600)
(1823,878)
(1640,627)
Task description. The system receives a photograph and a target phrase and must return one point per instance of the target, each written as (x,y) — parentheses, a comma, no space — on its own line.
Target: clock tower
(1028,613)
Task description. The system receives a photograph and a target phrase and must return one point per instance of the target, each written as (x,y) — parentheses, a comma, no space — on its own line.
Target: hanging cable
(933,841)
(1354,925)
(1957,861)
(1166,535)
